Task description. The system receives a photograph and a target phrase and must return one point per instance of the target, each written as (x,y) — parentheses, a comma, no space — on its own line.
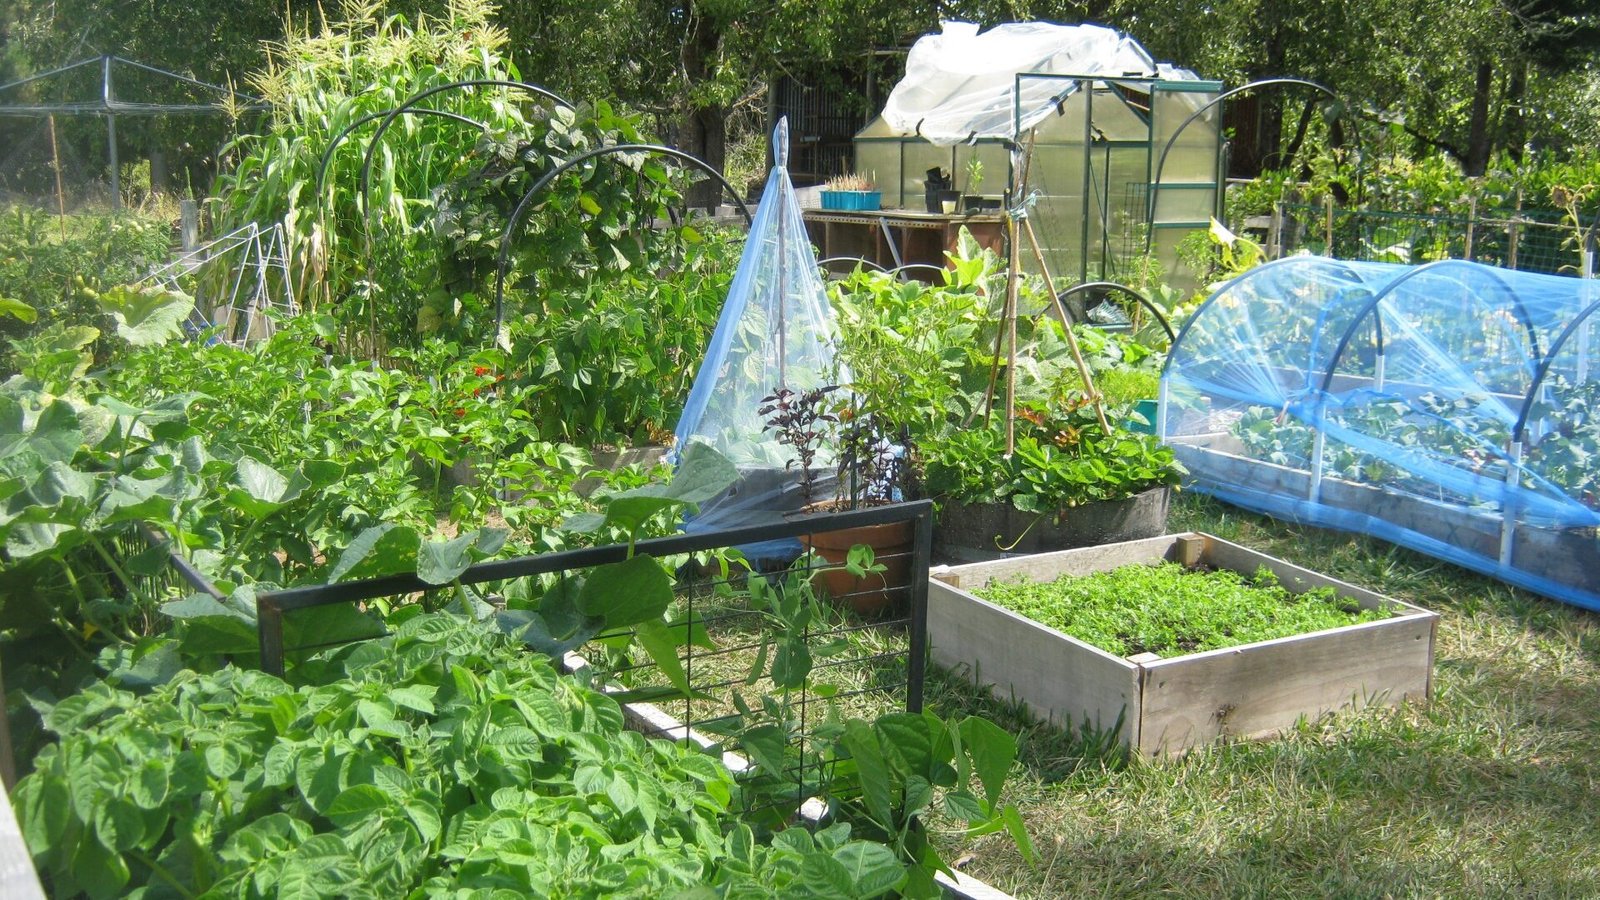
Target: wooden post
(1275,232)
(1513,231)
(55,163)
(111,132)
(1013,282)
(1472,224)
(1072,339)
(1327,206)
(189,223)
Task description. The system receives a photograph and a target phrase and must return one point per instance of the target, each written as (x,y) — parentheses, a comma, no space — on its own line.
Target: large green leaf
(703,474)
(873,770)
(261,490)
(628,592)
(18,310)
(993,750)
(147,316)
(380,550)
(873,868)
(53,435)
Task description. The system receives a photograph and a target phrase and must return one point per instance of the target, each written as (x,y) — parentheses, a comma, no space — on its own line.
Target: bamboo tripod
(1006,335)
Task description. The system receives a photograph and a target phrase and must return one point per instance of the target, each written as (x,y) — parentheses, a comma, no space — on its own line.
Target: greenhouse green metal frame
(1080,222)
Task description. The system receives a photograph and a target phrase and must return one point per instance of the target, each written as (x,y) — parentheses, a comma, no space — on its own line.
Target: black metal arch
(1236,280)
(1344,340)
(327,155)
(1161,162)
(414,99)
(1114,286)
(527,199)
(1518,432)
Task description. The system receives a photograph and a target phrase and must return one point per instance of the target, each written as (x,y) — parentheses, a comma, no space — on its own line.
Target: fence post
(1275,232)
(189,224)
(1327,205)
(1513,231)
(1472,222)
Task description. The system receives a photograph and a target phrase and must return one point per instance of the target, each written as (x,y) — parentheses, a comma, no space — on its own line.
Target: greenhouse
(1446,407)
(1090,155)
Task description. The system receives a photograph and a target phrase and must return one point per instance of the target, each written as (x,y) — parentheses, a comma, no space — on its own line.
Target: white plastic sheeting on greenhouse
(960,84)
(1450,408)
(776,330)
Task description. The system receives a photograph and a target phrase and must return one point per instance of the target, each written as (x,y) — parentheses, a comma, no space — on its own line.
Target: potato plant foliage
(442,760)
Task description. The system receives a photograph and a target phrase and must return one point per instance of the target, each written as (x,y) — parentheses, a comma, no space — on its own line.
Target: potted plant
(1068,483)
(870,465)
(851,191)
(973,201)
(921,354)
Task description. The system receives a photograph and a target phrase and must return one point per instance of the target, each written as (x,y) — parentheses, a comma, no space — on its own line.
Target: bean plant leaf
(905,735)
(702,474)
(872,868)
(660,642)
(1018,829)
(862,742)
(992,750)
(441,562)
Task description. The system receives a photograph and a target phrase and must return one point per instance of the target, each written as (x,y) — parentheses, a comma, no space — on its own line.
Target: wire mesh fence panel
(1526,240)
(760,665)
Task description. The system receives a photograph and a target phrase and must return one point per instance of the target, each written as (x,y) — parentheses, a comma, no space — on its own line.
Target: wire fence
(1528,240)
(773,660)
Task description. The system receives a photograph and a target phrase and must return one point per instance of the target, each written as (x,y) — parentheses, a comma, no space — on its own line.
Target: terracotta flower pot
(869,595)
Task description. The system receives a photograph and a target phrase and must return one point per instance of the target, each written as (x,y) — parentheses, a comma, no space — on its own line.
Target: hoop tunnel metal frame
(413,100)
(1161,162)
(327,155)
(1240,279)
(1112,285)
(1540,362)
(523,205)
(1519,311)
(1518,432)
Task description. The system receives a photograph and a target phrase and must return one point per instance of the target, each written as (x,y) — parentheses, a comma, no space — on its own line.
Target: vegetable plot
(440,758)
(1169,610)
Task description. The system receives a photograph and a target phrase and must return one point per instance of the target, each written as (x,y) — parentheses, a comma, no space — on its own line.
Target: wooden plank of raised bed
(18,880)
(1261,689)
(1049,566)
(1022,659)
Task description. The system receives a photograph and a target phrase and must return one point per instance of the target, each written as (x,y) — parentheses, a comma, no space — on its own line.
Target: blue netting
(775,330)
(1443,407)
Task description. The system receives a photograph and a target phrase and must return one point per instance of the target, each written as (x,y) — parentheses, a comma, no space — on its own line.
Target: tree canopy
(1468,77)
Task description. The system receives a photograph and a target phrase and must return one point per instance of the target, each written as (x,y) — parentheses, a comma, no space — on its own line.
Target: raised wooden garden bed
(1169,705)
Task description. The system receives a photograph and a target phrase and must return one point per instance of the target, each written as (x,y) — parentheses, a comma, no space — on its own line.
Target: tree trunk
(705,125)
(1513,128)
(1299,134)
(1479,142)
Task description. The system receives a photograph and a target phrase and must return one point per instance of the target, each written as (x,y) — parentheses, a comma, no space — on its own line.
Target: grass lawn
(1492,791)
